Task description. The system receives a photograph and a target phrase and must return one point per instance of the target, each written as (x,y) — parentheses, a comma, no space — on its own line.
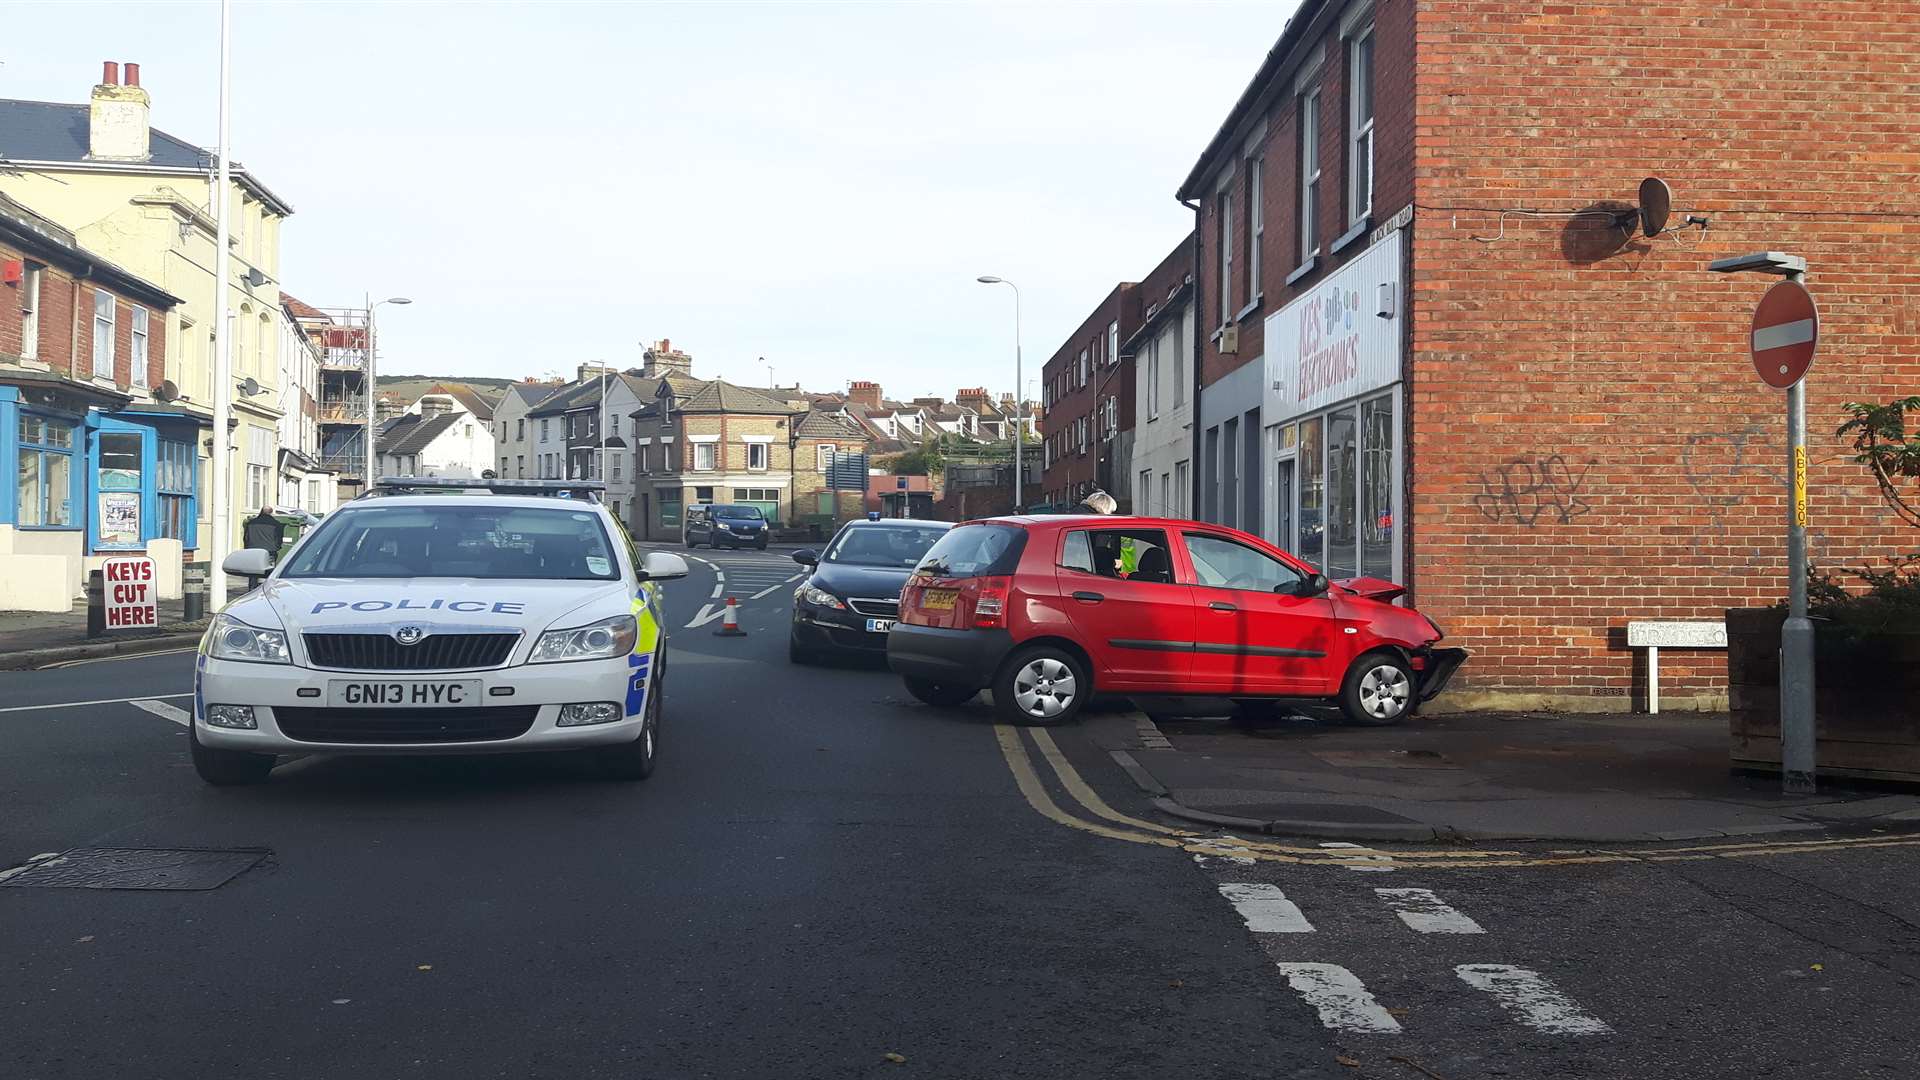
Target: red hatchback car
(1044,611)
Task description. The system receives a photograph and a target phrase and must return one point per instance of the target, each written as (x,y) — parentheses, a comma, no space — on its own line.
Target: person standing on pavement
(264,531)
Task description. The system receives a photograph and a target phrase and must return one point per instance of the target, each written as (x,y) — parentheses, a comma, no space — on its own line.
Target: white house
(442,439)
(1162,351)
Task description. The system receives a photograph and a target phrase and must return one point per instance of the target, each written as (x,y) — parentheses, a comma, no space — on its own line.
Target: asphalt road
(822,873)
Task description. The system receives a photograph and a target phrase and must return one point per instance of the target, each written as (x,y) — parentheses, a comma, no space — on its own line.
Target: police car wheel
(938,694)
(228,768)
(635,760)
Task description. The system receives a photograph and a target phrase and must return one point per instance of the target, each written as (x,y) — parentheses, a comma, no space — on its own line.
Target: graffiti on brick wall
(1531,490)
(1723,468)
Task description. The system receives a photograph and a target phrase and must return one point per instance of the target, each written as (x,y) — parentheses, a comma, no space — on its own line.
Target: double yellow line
(1115,825)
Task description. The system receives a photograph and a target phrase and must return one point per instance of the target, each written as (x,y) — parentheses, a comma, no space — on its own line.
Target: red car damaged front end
(1366,605)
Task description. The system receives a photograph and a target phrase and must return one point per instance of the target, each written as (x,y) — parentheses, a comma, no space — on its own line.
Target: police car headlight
(821,598)
(231,639)
(595,641)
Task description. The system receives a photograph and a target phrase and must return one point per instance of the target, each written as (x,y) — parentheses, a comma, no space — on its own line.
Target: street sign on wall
(1786,327)
(130,597)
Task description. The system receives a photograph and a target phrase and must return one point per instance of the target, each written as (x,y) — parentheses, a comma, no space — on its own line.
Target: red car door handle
(1222,605)
(1089,597)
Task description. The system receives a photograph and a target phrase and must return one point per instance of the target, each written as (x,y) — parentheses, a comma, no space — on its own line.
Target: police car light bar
(560,489)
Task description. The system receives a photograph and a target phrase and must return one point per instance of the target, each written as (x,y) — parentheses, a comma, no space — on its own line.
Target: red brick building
(1433,347)
(1087,397)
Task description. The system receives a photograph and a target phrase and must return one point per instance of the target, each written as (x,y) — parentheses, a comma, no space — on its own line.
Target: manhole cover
(137,868)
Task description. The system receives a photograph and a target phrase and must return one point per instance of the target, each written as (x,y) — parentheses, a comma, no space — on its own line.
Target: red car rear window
(974,551)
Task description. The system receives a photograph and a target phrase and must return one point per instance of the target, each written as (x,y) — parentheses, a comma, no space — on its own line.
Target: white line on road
(1533,1000)
(115,658)
(1342,1002)
(708,613)
(1427,913)
(718,587)
(1265,908)
(1371,862)
(164,711)
(78,704)
(768,589)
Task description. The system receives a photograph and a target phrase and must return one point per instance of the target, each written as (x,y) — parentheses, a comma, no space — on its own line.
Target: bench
(1653,635)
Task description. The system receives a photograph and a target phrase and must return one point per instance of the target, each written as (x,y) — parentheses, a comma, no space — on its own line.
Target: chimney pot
(110,73)
(133,74)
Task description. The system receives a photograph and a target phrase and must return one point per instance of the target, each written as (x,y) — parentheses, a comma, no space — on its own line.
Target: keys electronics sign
(1341,339)
(131,599)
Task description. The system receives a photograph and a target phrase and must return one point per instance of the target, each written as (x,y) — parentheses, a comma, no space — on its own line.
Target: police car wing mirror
(807,557)
(662,566)
(248,562)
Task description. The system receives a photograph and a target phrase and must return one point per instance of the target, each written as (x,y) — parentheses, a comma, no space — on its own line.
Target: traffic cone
(730,623)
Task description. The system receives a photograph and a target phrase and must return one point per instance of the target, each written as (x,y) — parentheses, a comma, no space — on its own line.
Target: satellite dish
(250,386)
(256,278)
(166,391)
(1656,202)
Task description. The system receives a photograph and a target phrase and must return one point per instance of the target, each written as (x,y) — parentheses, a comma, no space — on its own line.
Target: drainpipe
(1199,351)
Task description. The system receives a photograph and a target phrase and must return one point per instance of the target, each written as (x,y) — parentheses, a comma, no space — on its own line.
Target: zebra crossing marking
(1426,913)
(1532,1000)
(1265,908)
(1343,1002)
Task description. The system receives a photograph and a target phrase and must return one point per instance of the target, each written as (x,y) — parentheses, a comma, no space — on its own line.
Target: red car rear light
(990,601)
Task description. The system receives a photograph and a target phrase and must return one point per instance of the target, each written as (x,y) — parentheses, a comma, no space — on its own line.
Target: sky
(816,184)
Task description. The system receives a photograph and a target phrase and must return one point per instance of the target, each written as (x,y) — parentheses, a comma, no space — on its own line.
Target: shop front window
(1376,488)
(173,479)
(44,484)
(118,484)
(1342,545)
(1310,543)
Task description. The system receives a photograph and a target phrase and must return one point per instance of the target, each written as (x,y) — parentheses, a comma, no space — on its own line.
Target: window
(520,466)
(173,478)
(613,463)
(1360,125)
(1181,340)
(102,334)
(823,456)
(313,495)
(749,495)
(1342,494)
(1310,543)
(543,427)
(1309,198)
(1146,493)
(1082,368)
(264,331)
(1113,342)
(1075,554)
(520,430)
(703,456)
(30,313)
(259,468)
(1166,497)
(757,456)
(1226,564)
(1153,379)
(45,481)
(1256,227)
(1124,554)
(1182,489)
(1223,220)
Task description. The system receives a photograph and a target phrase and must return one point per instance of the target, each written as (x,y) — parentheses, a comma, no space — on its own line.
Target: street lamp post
(371,353)
(1019,405)
(218,465)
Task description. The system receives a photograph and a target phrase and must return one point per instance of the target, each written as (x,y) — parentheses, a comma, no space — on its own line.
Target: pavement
(31,639)
(826,879)
(1479,776)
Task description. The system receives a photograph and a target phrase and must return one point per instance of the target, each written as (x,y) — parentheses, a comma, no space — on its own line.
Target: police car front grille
(387,726)
(435,652)
(876,608)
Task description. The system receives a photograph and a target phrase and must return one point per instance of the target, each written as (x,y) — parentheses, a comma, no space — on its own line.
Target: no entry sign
(131,599)
(1785,329)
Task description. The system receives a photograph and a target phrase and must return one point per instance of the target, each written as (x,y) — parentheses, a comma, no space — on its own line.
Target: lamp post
(1798,748)
(371,353)
(218,465)
(1020,406)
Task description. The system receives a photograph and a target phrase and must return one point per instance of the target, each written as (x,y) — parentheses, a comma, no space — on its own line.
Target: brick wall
(58,347)
(1071,470)
(1589,442)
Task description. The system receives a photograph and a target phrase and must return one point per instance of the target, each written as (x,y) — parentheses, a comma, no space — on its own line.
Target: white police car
(439,616)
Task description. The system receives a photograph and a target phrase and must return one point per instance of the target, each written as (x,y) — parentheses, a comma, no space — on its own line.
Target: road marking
(708,613)
(79,704)
(1265,908)
(164,711)
(1533,1000)
(716,591)
(1364,859)
(766,590)
(1341,1000)
(1427,913)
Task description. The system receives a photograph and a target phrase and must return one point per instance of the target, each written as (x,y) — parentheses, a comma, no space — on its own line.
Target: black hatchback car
(725,525)
(849,602)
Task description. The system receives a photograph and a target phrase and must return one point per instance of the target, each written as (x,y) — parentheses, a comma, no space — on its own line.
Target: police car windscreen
(457,542)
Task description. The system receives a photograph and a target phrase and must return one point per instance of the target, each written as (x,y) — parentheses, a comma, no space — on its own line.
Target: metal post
(1797,764)
(367,483)
(1020,421)
(219,462)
